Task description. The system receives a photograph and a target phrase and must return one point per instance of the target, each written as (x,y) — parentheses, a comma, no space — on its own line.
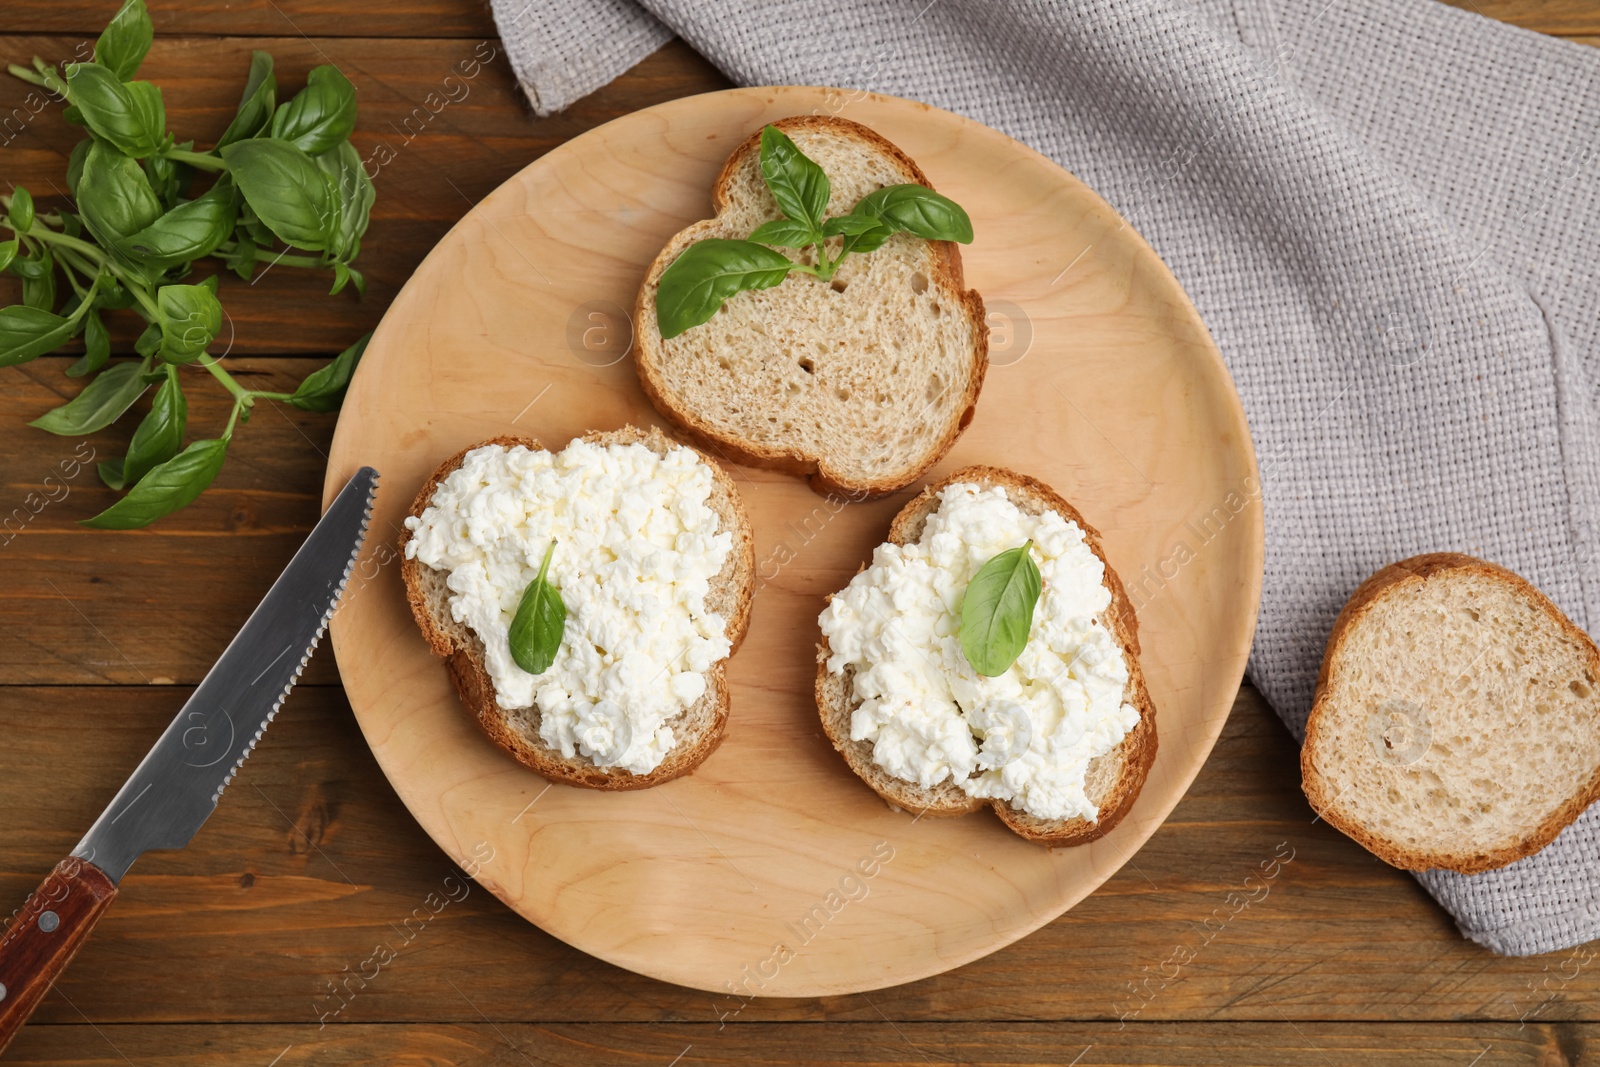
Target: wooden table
(233,950)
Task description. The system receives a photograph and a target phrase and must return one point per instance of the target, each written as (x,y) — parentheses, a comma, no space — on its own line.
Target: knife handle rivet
(2,991)
(48,921)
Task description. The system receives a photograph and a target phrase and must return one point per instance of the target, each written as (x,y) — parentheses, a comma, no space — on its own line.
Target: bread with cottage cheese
(698,729)
(1113,780)
(1456,722)
(860,383)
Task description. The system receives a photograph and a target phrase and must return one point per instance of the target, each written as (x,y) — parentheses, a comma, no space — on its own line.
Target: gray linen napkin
(1387,215)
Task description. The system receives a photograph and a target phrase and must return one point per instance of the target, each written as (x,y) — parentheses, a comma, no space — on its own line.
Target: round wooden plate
(772,870)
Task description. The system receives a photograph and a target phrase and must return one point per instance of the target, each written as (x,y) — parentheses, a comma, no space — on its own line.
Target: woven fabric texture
(1386,215)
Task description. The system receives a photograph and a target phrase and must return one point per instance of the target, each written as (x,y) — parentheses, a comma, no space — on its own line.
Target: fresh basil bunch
(696,284)
(285,177)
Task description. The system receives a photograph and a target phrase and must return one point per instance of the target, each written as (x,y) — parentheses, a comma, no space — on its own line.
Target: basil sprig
(997,610)
(696,284)
(541,618)
(283,180)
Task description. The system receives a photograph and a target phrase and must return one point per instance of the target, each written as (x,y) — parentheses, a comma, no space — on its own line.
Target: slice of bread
(1456,721)
(698,728)
(861,383)
(1113,780)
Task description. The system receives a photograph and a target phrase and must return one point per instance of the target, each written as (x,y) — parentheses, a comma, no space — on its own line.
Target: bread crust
(1134,754)
(947,274)
(1367,598)
(463,653)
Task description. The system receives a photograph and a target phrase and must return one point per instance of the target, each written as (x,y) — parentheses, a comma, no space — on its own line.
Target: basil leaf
(541,618)
(342,273)
(158,437)
(695,285)
(869,240)
(242,260)
(111,473)
(98,404)
(96,347)
(797,183)
(168,180)
(113,296)
(341,278)
(187,232)
(114,195)
(323,388)
(255,106)
(125,41)
(21,213)
(918,210)
(785,233)
(251,227)
(8,252)
(190,319)
(149,342)
(27,267)
(319,116)
(166,488)
(354,192)
(332,222)
(997,610)
(26,332)
(849,225)
(80,152)
(39,281)
(286,190)
(128,114)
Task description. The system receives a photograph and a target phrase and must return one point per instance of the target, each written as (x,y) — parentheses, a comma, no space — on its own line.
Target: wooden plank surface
(155,606)
(242,948)
(310,863)
(1565,18)
(872,1044)
(264,18)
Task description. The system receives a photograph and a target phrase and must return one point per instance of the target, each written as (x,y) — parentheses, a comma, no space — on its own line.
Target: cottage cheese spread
(1025,736)
(637,545)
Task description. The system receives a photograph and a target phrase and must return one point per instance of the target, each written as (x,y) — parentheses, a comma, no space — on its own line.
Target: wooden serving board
(772,870)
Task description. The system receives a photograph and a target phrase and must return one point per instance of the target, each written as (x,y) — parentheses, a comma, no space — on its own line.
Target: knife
(175,787)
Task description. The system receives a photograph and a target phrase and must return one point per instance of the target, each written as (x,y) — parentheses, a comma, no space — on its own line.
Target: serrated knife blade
(176,786)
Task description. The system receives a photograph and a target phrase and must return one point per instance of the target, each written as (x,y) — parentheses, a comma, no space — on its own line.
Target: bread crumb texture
(1455,725)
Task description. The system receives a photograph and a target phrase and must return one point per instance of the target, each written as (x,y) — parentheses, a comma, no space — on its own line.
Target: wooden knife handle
(46,932)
